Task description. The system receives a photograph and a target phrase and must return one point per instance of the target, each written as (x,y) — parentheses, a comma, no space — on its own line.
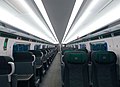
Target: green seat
(104,72)
(76,69)
(76,57)
(85,50)
(66,50)
(104,57)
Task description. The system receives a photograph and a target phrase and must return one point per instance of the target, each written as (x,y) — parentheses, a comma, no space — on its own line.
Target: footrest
(24,77)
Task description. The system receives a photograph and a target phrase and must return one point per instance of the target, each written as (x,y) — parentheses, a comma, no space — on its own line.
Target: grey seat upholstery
(76,69)
(25,65)
(45,64)
(24,60)
(7,72)
(104,72)
(44,55)
(38,56)
(39,63)
(4,81)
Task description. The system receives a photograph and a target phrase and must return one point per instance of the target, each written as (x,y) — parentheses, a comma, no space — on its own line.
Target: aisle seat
(39,63)
(76,69)
(104,72)
(25,69)
(84,49)
(44,58)
(7,69)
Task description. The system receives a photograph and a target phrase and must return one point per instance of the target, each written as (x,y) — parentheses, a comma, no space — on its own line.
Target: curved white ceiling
(95,15)
(22,14)
(49,23)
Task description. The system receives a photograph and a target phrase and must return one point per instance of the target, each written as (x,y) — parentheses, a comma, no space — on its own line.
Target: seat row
(25,69)
(77,71)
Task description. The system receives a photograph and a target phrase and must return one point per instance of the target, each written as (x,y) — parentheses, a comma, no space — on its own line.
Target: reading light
(16,22)
(44,13)
(76,8)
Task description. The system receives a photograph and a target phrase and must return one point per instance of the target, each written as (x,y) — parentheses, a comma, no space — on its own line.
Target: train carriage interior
(59,43)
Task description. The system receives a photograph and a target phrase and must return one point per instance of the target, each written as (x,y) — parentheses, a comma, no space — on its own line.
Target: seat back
(76,69)
(5,68)
(63,51)
(44,55)
(4,81)
(6,71)
(104,72)
(84,49)
(25,63)
(38,56)
(23,57)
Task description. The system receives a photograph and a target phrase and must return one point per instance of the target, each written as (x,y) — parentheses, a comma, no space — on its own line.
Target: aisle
(53,76)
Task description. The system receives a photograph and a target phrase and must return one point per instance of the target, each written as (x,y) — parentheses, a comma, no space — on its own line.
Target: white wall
(10,44)
(2,52)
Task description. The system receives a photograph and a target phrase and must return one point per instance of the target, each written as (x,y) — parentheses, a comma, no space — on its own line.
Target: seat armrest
(12,71)
(33,60)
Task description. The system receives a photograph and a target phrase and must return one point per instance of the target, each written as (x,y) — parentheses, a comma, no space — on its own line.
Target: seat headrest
(5,68)
(6,59)
(37,53)
(23,57)
(104,57)
(43,51)
(85,50)
(76,57)
(67,50)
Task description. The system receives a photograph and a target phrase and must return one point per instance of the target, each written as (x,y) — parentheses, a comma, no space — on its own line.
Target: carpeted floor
(53,75)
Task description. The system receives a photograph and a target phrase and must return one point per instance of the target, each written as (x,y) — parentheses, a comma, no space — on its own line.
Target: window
(37,47)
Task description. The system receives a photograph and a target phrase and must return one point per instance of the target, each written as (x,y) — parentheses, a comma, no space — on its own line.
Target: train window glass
(21,47)
(5,44)
(95,38)
(76,46)
(117,33)
(96,46)
(82,46)
(106,35)
(37,47)
(43,46)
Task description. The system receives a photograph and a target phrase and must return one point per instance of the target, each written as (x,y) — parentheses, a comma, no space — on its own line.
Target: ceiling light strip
(82,18)
(35,18)
(10,19)
(104,20)
(45,15)
(76,8)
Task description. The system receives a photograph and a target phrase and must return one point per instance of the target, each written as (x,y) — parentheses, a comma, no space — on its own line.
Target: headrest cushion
(104,57)
(76,57)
